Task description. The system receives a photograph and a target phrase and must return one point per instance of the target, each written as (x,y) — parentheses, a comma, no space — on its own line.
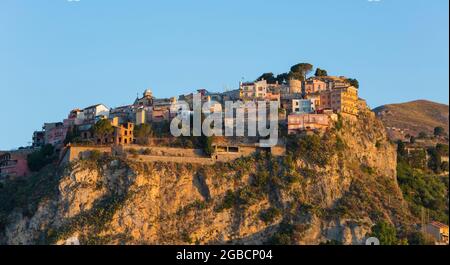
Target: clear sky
(56,55)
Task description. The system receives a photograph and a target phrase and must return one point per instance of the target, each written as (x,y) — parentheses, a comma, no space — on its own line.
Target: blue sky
(56,55)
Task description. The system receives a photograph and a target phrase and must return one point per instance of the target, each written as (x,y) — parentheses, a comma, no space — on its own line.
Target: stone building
(122,134)
(343,100)
(314,85)
(307,122)
(146,100)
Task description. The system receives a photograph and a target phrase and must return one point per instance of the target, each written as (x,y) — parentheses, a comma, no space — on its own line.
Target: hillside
(330,188)
(413,117)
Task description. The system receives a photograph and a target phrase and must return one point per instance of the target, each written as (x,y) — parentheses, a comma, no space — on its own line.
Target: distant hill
(413,117)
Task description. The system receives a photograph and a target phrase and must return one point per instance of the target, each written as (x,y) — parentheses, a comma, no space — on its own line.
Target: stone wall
(174,159)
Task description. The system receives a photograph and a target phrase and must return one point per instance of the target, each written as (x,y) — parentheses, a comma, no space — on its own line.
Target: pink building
(304,122)
(314,85)
(55,133)
(13,164)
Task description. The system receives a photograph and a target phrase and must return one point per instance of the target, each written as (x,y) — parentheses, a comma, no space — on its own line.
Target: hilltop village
(306,104)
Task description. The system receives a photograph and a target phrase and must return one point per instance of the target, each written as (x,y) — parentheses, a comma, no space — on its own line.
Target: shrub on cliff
(142,132)
(40,158)
(386,233)
(424,192)
(269,215)
(314,148)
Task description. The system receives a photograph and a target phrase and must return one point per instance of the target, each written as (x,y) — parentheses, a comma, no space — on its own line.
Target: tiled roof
(438,224)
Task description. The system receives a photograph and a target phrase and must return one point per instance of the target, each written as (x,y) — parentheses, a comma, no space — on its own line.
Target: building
(315,101)
(13,164)
(146,100)
(301,106)
(438,231)
(163,109)
(231,95)
(140,116)
(306,122)
(123,113)
(334,82)
(85,132)
(75,117)
(92,113)
(122,134)
(253,90)
(314,85)
(344,100)
(38,139)
(55,134)
(295,86)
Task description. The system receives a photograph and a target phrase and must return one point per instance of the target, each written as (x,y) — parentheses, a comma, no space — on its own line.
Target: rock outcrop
(333,187)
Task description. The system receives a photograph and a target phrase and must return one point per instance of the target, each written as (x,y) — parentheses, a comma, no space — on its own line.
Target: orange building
(122,134)
(343,100)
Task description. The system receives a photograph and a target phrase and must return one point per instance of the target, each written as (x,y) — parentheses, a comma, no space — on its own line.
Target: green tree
(439,131)
(282,78)
(442,149)
(269,77)
(419,238)
(301,70)
(353,82)
(422,135)
(72,135)
(401,151)
(142,132)
(444,166)
(40,158)
(321,72)
(435,160)
(386,233)
(103,127)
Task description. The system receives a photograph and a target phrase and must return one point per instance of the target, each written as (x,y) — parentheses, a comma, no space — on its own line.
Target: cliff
(331,187)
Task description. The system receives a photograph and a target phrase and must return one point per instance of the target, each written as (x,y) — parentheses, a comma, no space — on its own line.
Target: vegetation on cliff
(331,188)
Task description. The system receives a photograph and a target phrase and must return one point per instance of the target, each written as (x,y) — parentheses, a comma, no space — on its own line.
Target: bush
(133,151)
(339,123)
(103,127)
(228,202)
(40,158)
(444,166)
(142,132)
(147,151)
(95,155)
(283,236)
(419,238)
(386,233)
(420,191)
(314,148)
(269,215)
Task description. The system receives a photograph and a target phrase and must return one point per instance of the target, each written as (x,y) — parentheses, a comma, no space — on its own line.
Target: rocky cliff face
(329,188)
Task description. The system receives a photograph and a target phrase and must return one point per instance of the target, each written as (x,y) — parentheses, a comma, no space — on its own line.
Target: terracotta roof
(438,224)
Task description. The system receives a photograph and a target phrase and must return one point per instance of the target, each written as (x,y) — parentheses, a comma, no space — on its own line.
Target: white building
(91,112)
